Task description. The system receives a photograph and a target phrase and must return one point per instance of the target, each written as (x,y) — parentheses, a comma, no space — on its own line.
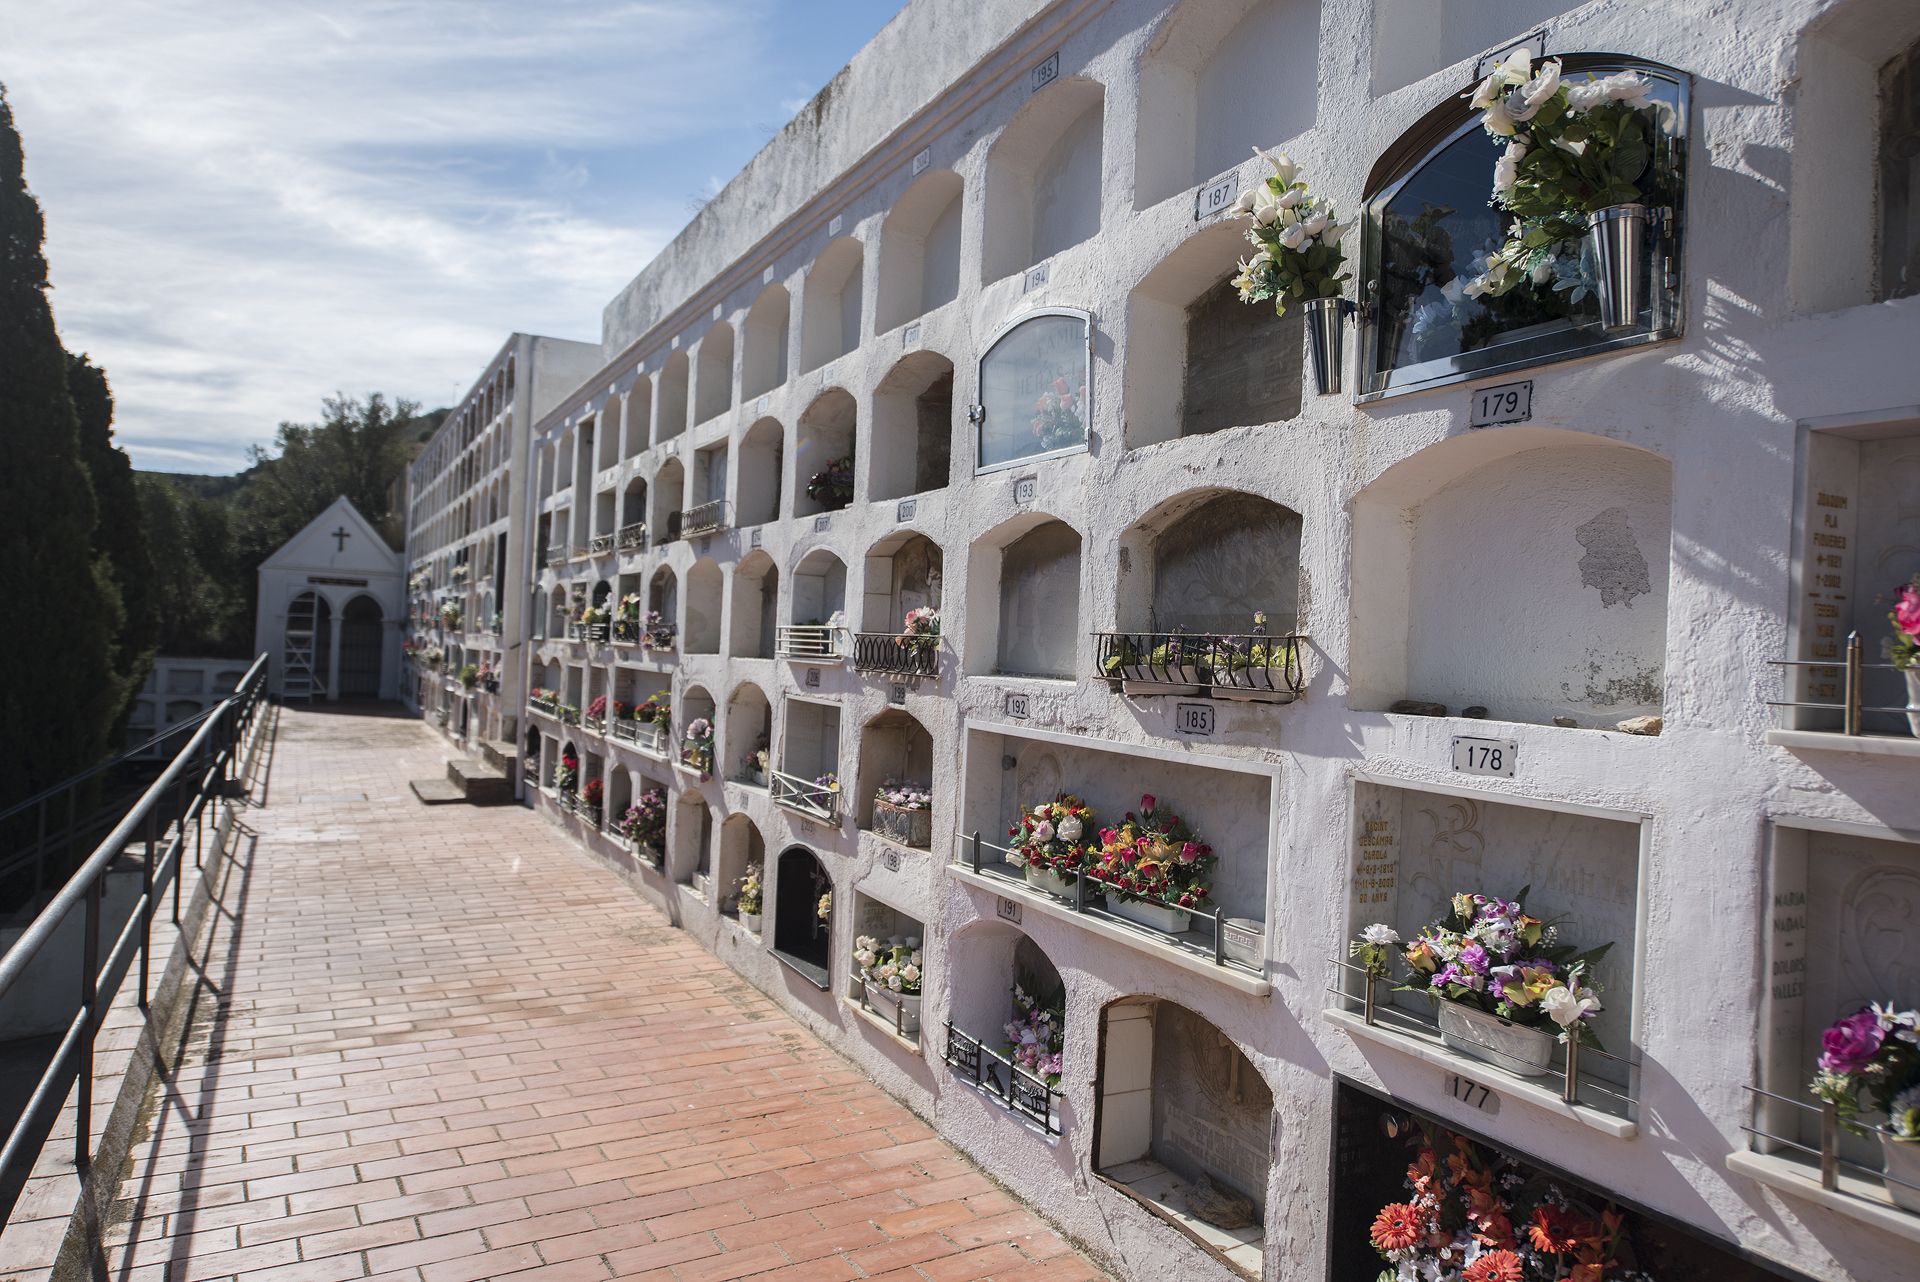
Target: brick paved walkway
(445,1046)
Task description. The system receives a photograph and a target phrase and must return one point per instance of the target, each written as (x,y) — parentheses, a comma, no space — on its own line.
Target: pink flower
(1042,405)
(1851,1044)
(1147,802)
(1189,852)
(1060,387)
(1906,611)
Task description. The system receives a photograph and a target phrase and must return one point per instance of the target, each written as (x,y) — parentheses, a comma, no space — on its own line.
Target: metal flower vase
(1326,341)
(1617,237)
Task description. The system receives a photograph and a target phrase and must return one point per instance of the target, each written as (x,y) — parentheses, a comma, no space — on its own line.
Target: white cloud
(250,206)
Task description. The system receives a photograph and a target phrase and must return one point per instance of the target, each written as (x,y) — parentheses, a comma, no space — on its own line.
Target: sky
(255,204)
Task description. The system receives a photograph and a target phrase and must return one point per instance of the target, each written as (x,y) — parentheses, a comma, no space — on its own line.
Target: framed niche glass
(1034,382)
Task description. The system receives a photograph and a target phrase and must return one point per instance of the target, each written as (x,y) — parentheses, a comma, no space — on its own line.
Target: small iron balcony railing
(626,632)
(1210,935)
(705,518)
(548,705)
(600,544)
(807,797)
(632,538)
(593,633)
(884,652)
(1242,665)
(1021,1091)
(1851,671)
(809,643)
(648,736)
(556,556)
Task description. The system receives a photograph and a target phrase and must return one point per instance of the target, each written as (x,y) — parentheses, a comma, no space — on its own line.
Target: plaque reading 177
(1476,756)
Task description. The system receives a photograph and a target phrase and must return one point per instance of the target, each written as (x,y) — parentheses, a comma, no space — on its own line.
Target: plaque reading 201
(1475,756)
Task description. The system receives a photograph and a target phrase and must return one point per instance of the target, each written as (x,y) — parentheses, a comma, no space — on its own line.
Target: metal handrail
(1025,1093)
(705,518)
(600,544)
(809,643)
(805,796)
(1233,664)
(970,854)
(885,652)
(631,537)
(169,804)
(1828,1150)
(1853,678)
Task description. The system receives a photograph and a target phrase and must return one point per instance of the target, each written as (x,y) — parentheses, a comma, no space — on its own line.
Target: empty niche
(1044,178)
(1186,1124)
(913,427)
(693,843)
(714,394)
(920,250)
(1557,608)
(669,494)
(830,303)
(802,933)
(672,417)
(1218,79)
(639,417)
(609,436)
(1199,359)
(756,592)
(705,591)
(1024,604)
(1413,851)
(1412,39)
(1209,562)
(761,451)
(748,734)
(763,355)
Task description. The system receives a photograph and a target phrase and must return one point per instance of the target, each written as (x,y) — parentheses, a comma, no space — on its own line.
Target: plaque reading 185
(1193,718)
(1507,403)
(1476,756)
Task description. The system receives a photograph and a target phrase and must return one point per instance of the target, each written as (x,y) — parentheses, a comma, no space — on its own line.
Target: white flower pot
(1523,1051)
(1901,1159)
(1154,916)
(885,1002)
(703,885)
(751,921)
(1045,880)
(1913,700)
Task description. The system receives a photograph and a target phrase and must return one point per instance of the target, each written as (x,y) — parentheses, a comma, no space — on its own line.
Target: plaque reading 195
(1474,756)
(1506,403)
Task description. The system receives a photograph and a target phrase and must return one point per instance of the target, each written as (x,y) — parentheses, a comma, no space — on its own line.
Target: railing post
(1853,692)
(89,996)
(1219,936)
(1366,995)
(1080,892)
(975,845)
(1829,1145)
(1570,1090)
(146,912)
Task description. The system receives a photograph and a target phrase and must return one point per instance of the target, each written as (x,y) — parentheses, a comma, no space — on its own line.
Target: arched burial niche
(1044,178)
(1034,376)
(1181,1107)
(705,591)
(806,775)
(819,607)
(1209,596)
(663,599)
(896,758)
(920,250)
(1411,42)
(671,420)
(639,418)
(1023,599)
(1556,608)
(693,843)
(1002,982)
(713,394)
(363,640)
(632,535)
(755,618)
(1428,226)
(1217,77)
(748,738)
(802,932)
(823,454)
(306,654)
(1199,359)
(830,304)
(761,452)
(742,849)
(669,496)
(912,427)
(903,574)
(763,346)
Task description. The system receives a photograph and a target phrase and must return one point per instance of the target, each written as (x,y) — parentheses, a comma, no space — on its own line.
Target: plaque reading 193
(1475,756)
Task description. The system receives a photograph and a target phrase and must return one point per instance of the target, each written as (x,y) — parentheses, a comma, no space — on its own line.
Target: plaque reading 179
(1507,403)
(1475,756)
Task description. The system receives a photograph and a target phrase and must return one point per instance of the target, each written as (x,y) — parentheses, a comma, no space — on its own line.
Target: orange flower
(1496,1266)
(1556,1230)
(1397,1227)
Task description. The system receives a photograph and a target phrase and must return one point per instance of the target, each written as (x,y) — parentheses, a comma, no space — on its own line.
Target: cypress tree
(119,537)
(57,690)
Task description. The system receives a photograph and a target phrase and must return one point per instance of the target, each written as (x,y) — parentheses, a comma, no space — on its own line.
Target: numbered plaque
(1476,756)
(1217,196)
(1017,706)
(813,678)
(1193,719)
(1008,909)
(1468,1091)
(1506,403)
(1045,74)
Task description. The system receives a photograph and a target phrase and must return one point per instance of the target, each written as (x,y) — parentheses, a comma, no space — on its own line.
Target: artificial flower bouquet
(1057,422)
(903,812)
(591,797)
(1875,1053)
(920,631)
(628,608)
(1297,253)
(1573,149)
(824,909)
(832,487)
(1037,1035)
(893,963)
(567,773)
(747,900)
(696,748)
(645,823)
(590,615)
(470,675)
(1506,987)
(655,707)
(903,795)
(1154,859)
(543,698)
(1050,841)
(597,710)
(1478,1215)
(450,614)
(659,634)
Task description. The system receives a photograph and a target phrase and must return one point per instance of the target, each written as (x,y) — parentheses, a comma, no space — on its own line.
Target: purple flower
(1474,958)
(1851,1044)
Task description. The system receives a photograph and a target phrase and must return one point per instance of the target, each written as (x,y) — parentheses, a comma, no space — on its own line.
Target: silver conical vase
(1326,341)
(1618,238)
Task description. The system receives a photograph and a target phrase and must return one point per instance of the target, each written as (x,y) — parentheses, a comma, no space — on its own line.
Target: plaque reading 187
(1506,403)
(1475,756)
(1216,196)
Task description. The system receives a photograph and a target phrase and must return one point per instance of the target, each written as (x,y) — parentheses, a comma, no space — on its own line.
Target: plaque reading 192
(1475,756)
(1507,403)
(1017,705)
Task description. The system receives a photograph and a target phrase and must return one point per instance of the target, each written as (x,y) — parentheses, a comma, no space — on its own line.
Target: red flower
(1557,1230)
(1397,1227)
(1496,1266)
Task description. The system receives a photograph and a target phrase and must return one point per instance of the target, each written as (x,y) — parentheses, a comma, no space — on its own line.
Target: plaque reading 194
(1475,756)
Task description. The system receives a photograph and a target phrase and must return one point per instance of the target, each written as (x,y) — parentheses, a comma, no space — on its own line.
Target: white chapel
(331,604)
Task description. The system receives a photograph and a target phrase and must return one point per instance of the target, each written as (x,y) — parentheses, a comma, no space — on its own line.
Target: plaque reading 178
(1475,756)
